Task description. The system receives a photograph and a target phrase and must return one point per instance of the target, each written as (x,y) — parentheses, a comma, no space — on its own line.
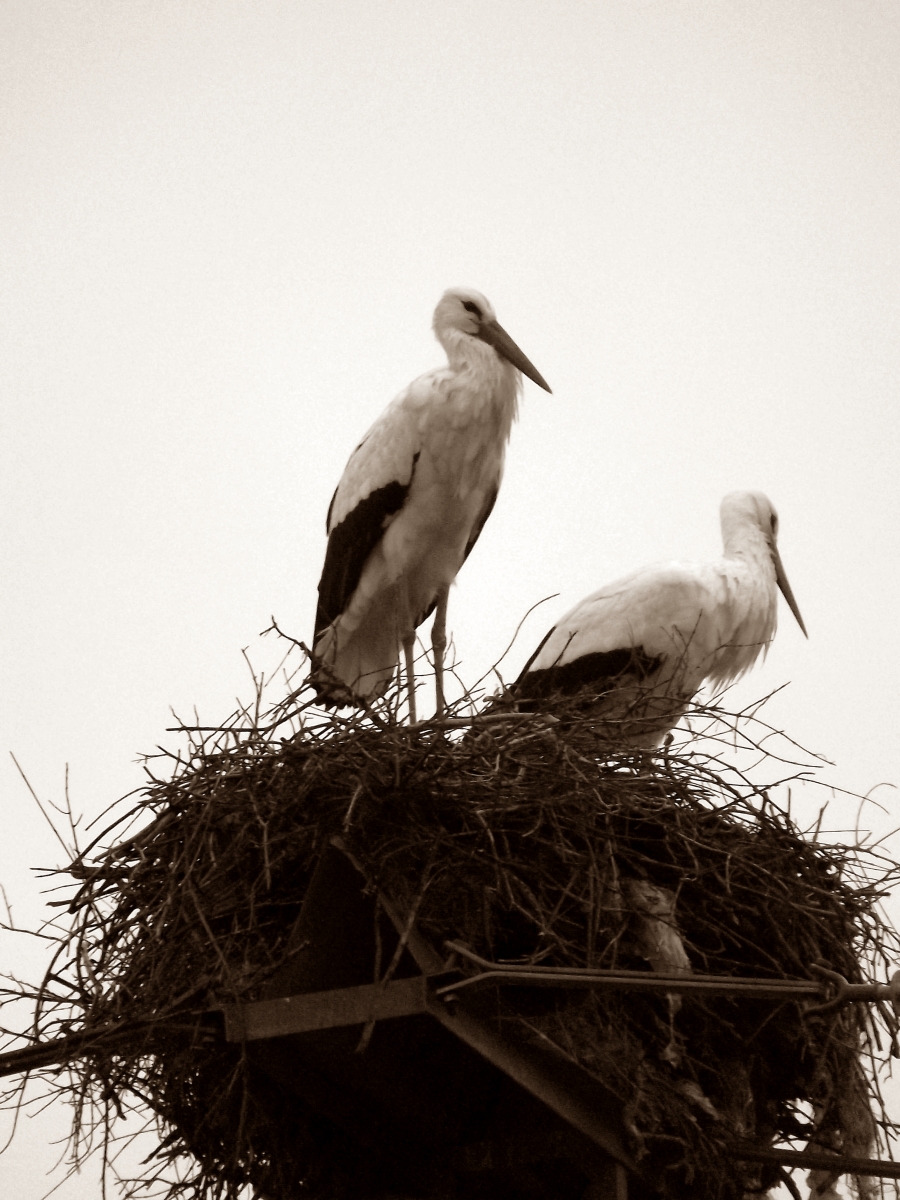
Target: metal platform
(426,1084)
(418,1071)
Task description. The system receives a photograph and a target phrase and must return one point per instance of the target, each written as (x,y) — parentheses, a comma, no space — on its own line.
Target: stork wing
(627,628)
(596,671)
(372,490)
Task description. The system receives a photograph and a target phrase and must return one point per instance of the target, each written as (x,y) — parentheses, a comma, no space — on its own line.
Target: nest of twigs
(529,842)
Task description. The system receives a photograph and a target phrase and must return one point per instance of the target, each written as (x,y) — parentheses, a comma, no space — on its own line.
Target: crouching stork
(640,648)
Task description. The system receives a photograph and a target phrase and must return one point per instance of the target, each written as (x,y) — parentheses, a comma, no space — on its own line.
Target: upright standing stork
(641,647)
(411,503)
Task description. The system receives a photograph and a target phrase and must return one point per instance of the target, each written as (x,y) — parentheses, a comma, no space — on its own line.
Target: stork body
(641,647)
(411,503)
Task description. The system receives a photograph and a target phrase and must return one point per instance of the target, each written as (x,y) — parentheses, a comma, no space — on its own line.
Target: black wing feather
(596,672)
(351,543)
(482,519)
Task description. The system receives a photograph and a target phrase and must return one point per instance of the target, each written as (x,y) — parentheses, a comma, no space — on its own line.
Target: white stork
(641,647)
(411,503)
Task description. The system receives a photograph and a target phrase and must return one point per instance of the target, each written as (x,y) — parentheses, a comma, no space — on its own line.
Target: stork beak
(782,580)
(495,335)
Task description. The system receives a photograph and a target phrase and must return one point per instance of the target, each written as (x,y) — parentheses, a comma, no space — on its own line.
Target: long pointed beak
(782,580)
(495,335)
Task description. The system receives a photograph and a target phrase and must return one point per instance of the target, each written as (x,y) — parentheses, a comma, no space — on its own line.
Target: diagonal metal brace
(816,1160)
(548,1074)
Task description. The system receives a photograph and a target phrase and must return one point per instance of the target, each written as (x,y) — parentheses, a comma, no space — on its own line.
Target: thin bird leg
(438,646)
(409,643)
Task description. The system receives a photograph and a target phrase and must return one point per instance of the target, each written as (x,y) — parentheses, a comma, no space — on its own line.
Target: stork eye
(473,308)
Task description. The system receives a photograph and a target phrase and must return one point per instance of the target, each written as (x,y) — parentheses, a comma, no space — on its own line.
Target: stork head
(753,513)
(465,312)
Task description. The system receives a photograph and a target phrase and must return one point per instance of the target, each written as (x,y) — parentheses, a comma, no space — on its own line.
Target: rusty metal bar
(325,1010)
(832,988)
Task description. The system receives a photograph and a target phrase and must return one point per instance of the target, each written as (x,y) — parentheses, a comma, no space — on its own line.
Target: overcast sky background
(224,227)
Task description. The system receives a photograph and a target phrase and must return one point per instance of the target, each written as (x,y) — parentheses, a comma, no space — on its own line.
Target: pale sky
(224,228)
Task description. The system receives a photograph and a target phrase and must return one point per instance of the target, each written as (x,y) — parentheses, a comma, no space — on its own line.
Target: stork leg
(438,646)
(409,644)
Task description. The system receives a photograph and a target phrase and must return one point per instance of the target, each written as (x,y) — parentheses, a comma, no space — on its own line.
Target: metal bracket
(845,993)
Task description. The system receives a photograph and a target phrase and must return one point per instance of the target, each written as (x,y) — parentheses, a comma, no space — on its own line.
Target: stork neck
(497,381)
(744,540)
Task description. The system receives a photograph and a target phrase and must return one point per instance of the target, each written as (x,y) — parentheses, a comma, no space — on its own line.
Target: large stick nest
(528,841)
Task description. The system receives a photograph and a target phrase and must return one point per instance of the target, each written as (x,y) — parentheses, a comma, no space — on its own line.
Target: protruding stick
(408,649)
(438,646)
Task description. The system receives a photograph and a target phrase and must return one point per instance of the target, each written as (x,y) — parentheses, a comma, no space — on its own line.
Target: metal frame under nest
(320,1009)
(313,994)
(442,1048)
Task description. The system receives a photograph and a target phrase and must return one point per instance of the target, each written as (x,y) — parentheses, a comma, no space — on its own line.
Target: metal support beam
(325,1010)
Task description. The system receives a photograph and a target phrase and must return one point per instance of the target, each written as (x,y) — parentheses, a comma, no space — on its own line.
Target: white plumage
(645,644)
(411,503)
